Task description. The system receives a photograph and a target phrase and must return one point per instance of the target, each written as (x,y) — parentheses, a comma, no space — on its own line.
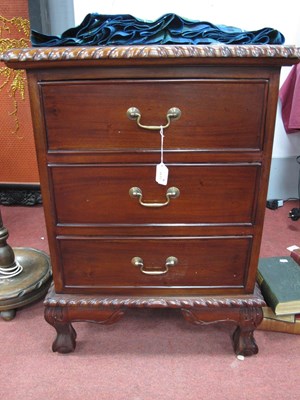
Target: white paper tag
(294,247)
(162,173)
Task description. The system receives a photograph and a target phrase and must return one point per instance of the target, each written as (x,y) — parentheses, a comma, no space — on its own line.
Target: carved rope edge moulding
(69,300)
(153,302)
(158,51)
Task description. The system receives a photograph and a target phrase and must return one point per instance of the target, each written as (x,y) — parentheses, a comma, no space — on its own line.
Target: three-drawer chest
(154,165)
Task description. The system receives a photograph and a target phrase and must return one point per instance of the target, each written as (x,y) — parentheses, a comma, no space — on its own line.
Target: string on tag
(161,144)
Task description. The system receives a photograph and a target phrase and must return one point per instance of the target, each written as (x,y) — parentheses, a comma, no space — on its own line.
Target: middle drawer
(207,194)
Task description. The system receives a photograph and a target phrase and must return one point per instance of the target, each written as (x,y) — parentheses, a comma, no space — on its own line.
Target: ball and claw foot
(244,343)
(65,341)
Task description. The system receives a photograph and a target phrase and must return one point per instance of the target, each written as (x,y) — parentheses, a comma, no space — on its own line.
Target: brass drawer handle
(135,114)
(172,193)
(170,262)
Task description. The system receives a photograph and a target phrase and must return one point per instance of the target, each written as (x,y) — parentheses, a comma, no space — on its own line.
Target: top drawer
(216,114)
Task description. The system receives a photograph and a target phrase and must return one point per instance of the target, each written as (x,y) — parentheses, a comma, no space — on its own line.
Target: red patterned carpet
(149,354)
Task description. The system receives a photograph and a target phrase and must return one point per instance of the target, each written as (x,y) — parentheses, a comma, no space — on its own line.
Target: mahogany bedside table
(104,118)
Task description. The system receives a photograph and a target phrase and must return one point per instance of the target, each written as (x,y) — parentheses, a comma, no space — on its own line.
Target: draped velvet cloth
(123,29)
(289,95)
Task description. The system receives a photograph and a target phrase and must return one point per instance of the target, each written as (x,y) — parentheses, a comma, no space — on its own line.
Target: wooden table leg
(243,338)
(246,319)
(65,341)
(61,319)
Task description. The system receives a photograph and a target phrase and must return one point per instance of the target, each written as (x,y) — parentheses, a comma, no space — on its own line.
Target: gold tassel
(14,78)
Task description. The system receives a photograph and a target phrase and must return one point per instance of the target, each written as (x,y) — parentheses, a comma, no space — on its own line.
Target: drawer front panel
(216,114)
(220,194)
(201,262)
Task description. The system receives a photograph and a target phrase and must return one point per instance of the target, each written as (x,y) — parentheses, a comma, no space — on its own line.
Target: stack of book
(295,254)
(279,281)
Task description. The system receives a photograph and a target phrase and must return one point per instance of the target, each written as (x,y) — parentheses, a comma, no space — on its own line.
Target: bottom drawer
(112,264)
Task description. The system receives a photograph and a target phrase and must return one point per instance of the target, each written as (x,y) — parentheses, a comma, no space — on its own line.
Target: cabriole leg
(65,341)
(243,337)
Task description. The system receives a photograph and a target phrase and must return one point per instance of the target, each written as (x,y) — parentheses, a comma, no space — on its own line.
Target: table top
(223,54)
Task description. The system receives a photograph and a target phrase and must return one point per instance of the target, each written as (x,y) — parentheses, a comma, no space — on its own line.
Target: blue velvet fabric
(123,29)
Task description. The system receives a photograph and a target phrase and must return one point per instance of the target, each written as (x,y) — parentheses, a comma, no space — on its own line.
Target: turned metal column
(25,275)
(8,265)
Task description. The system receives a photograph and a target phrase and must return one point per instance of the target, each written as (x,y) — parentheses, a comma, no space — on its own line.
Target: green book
(279,281)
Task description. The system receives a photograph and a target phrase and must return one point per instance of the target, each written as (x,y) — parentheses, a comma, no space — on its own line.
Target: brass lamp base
(30,285)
